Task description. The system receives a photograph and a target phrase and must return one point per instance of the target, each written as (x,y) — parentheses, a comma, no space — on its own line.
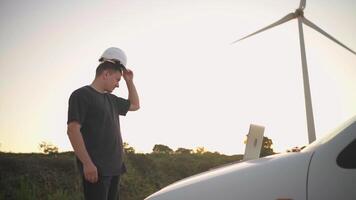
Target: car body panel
(277,176)
(328,180)
(312,174)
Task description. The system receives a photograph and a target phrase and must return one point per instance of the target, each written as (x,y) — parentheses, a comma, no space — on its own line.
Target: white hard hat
(114,53)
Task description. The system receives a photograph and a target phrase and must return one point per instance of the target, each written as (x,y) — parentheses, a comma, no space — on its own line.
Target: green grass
(55,177)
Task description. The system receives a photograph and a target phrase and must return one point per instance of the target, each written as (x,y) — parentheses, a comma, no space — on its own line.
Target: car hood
(272,177)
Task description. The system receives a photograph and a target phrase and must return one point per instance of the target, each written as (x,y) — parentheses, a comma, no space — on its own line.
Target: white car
(325,169)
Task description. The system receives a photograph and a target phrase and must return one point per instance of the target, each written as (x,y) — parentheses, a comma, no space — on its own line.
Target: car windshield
(329,136)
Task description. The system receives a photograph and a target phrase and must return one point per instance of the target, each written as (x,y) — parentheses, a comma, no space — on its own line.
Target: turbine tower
(299,14)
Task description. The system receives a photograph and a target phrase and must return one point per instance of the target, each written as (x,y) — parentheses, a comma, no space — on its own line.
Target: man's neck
(97,86)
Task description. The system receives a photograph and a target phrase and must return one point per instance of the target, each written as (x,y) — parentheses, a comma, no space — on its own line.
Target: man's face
(112,79)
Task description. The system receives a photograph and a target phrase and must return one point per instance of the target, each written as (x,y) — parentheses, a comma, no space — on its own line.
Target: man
(94,126)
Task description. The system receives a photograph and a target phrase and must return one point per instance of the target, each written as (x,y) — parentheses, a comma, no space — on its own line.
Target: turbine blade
(281,21)
(315,27)
(302,4)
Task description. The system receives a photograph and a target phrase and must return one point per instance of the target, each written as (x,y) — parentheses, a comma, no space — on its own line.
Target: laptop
(254,142)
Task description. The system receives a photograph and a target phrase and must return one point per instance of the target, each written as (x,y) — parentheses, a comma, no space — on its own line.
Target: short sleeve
(123,105)
(77,108)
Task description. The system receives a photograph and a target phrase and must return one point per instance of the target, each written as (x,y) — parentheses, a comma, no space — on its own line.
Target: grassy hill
(55,177)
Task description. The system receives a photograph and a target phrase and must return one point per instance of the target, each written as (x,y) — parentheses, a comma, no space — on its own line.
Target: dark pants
(107,188)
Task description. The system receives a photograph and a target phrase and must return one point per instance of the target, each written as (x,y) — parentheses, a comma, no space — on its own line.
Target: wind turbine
(299,14)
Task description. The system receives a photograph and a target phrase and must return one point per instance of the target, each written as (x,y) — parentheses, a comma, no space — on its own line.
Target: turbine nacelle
(299,12)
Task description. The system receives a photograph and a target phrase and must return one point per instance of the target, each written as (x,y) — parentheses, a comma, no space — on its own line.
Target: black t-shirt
(98,113)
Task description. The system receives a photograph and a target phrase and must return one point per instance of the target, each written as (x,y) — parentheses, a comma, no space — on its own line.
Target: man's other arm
(76,139)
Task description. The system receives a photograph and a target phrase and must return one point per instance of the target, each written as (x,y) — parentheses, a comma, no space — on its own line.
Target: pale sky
(195,88)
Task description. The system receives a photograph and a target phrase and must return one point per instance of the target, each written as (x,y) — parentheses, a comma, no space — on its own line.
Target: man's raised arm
(133,96)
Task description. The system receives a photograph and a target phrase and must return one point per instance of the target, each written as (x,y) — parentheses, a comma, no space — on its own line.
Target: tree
(200,150)
(48,148)
(183,151)
(266,148)
(128,148)
(296,149)
(160,148)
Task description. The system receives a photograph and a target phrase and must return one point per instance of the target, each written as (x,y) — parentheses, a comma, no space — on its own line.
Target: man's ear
(106,73)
